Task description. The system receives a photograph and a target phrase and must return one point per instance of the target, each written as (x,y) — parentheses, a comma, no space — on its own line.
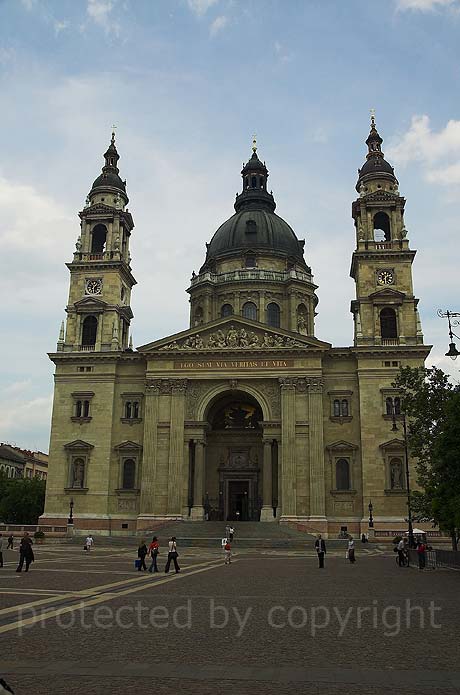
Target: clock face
(385,277)
(94,286)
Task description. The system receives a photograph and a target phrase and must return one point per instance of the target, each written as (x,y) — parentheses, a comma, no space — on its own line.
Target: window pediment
(128,446)
(392,445)
(341,445)
(78,445)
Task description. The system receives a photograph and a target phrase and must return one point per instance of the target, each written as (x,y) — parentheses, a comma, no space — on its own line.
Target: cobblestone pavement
(269,623)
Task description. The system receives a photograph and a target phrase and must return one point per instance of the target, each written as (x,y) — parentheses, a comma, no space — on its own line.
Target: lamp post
(394,428)
(453,353)
(371,518)
(70,519)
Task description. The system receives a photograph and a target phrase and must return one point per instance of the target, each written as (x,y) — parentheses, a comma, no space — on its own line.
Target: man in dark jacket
(320,547)
(25,553)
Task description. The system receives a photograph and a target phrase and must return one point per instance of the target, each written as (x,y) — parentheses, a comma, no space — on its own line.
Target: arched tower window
(129,474)
(226,310)
(342,474)
(273,315)
(382,230)
(388,326)
(250,311)
(98,238)
(89,332)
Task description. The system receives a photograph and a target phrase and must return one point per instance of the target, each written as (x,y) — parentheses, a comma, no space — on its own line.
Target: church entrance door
(238,500)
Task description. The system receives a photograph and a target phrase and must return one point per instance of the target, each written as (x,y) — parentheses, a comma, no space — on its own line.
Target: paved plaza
(271,622)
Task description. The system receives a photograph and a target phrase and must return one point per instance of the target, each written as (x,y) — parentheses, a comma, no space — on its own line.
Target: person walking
(10,542)
(421,554)
(320,547)
(141,554)
(228,553)
(401,549)
(154,549)
(231,534)
(89,543)
(26,554)
(351,550)
(172,555)
(1,550)
(227,531)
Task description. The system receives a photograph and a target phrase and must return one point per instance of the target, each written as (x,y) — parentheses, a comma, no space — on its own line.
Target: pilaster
(315,409)
(176,447)
(266,513)
(288,470)
(152,392)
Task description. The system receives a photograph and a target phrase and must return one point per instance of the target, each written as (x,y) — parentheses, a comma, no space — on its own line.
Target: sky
(187,83)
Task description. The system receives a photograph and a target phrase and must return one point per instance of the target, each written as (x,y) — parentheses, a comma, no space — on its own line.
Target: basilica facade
(245,414)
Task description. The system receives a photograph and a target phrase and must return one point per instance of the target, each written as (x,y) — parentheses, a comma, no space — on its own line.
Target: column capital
(178,385)
(199,442)
(267,442)
(287,383)
(315,384)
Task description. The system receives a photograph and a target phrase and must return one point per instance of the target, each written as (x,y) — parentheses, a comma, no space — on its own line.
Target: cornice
(92,266)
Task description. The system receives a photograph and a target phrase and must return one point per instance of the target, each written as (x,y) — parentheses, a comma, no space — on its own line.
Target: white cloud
(60,25)
(100,11)
(424,5)
(218,24)
(19,415)
(438,152)
(7,55)
(28,4)
(200,7)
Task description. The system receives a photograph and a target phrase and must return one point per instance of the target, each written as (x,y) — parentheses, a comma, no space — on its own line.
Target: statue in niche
(301,323)
(78,244)
(78,473)
(396,475)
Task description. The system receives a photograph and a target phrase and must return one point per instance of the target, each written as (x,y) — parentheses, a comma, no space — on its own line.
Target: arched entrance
(233,459)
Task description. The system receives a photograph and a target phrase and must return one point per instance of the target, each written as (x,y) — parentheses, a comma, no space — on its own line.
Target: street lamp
(394,428)
(70,519)
(453,353)
(371,518)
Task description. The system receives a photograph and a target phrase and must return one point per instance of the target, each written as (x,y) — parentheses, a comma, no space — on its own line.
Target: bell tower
(98,310)
(385,309)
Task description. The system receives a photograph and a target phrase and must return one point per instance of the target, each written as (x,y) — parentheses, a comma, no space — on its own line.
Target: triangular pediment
(387,293)
(341,445)
(395,444)
(90,302)
(128,446)
(78,445)
(233,333)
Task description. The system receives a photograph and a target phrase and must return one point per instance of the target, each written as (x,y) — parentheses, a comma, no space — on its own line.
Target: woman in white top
(172,555)
(351,550)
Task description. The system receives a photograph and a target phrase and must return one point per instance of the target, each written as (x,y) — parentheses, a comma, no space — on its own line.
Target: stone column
(198,482)
(176,448)
(292,313)
(185,480)
(266,513)
(317,484)
(288,470)
(149,460)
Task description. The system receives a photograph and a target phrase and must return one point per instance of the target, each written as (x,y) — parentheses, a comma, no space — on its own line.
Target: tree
(22,500)
(432,406)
